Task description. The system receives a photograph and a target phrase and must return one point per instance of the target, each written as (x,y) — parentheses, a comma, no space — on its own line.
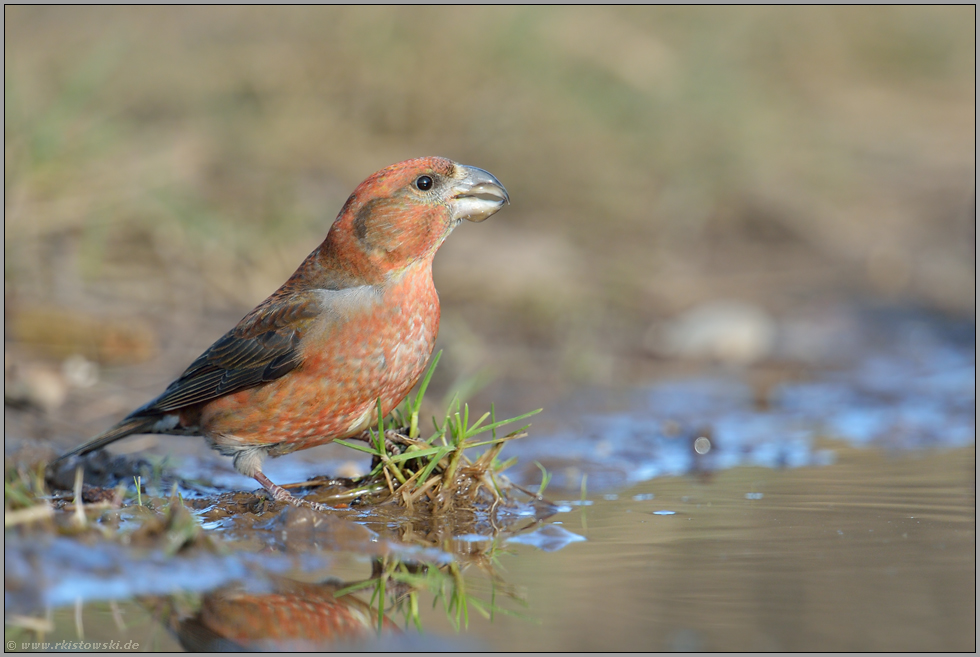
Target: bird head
(402,214)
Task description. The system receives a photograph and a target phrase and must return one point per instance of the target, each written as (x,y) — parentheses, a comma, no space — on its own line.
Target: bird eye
(424,183)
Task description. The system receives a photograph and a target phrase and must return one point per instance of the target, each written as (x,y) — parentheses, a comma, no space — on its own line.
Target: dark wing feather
(263,347)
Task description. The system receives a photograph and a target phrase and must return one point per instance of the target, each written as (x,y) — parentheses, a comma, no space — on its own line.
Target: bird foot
(280,494)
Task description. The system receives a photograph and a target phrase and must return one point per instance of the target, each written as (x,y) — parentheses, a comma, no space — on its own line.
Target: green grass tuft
(436,469)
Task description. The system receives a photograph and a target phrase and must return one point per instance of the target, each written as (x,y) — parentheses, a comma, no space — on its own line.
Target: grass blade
(359,447)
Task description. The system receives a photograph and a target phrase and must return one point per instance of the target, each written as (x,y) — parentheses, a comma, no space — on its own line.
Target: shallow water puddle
(874,552)
(837,515)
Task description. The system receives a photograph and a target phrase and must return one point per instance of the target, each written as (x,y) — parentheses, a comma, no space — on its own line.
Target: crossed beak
(477,194)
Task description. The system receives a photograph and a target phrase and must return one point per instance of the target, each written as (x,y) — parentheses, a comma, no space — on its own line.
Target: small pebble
(80,371)
(664,513)
(753,496)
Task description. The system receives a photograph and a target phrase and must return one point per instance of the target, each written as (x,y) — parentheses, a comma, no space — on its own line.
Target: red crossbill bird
(295,615)
(355,324)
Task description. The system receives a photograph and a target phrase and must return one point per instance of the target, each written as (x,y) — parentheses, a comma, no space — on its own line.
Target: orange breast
(379,352)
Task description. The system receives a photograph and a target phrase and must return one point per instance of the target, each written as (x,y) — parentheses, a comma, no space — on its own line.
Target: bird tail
(127,427)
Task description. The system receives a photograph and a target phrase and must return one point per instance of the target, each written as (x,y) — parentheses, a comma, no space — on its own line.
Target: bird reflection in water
(293,615)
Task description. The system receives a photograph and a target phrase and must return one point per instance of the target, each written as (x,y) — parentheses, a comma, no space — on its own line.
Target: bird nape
(351,330)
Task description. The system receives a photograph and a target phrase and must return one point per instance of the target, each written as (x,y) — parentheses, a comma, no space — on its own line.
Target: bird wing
(262,347)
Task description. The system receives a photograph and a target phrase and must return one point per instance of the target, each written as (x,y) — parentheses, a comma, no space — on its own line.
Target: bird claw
(300,503)
(280,494)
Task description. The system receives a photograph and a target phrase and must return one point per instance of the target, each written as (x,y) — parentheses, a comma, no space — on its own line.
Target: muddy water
(837,513)
(875,552)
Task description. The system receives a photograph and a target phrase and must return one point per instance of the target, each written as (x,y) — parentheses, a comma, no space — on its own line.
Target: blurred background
(780,201)
(689,185)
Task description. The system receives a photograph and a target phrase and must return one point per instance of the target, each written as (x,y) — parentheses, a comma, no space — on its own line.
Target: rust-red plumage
(294,616)
(355,323)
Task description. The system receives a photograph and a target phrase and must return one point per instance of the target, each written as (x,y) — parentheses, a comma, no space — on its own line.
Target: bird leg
(280,494)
